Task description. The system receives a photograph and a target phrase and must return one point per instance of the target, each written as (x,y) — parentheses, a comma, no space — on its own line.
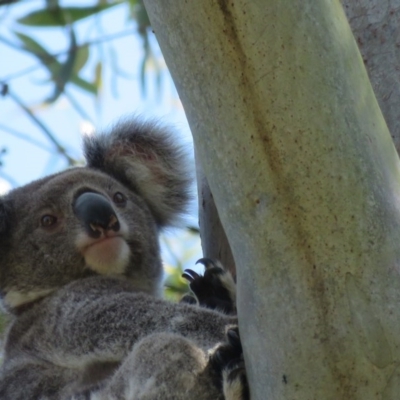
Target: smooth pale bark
(376,27)
(306,181)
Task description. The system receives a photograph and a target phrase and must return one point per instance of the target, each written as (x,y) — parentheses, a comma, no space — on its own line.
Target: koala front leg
(114,322)
(163,366)
(216,289)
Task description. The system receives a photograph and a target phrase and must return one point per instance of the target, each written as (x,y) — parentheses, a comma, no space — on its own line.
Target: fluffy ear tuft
(145,157)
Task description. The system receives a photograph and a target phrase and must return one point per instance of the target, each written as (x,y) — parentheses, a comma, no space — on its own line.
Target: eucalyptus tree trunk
(376,27)
(306,182)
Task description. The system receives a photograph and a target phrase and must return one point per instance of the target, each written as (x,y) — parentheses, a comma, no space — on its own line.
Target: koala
(81,275)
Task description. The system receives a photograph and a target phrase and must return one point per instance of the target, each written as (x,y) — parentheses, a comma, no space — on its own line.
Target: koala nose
(96,214)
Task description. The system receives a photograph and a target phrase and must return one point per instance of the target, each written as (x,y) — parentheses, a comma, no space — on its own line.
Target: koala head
(103,218)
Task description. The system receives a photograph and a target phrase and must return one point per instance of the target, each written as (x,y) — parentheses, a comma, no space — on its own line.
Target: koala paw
(216,289)
(228,363)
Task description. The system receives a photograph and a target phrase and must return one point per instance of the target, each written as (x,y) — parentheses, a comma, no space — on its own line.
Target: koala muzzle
(96,214)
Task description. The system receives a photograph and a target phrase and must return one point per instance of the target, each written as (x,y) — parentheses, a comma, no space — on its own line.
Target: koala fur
(80,272)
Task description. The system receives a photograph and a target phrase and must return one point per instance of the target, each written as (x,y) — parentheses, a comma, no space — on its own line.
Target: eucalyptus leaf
(52,64)
(66,69)
(98,77)
(143,76)
(82,56)
(84,84)
(61,16)
(32,46)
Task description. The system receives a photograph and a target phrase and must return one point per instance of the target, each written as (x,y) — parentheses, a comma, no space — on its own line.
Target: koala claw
(207,262)
(231,351)
(190,275)
(188,299)
(228,364)
(215,289)
(234,338)
(235,385)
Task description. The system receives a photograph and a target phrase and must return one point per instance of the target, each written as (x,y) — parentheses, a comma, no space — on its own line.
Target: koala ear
(145,157)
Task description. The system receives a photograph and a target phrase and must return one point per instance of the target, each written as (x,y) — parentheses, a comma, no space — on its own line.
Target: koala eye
(119,199)
(48,220)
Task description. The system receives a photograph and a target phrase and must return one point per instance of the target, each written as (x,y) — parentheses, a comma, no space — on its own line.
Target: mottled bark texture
(306,181)
(376,28)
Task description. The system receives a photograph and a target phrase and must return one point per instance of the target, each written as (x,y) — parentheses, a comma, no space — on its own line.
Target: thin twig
(80,110)
(43,127)
(25,137)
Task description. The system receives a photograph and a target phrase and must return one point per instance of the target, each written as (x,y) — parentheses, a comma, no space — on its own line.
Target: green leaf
(32,46)
(174,280)
(84,84)
(52,64)
(82,55)
(143,76)
(65,71)
(98,76)
(63,16)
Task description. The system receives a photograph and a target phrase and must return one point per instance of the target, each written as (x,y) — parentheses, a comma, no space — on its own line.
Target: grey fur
(89,323)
